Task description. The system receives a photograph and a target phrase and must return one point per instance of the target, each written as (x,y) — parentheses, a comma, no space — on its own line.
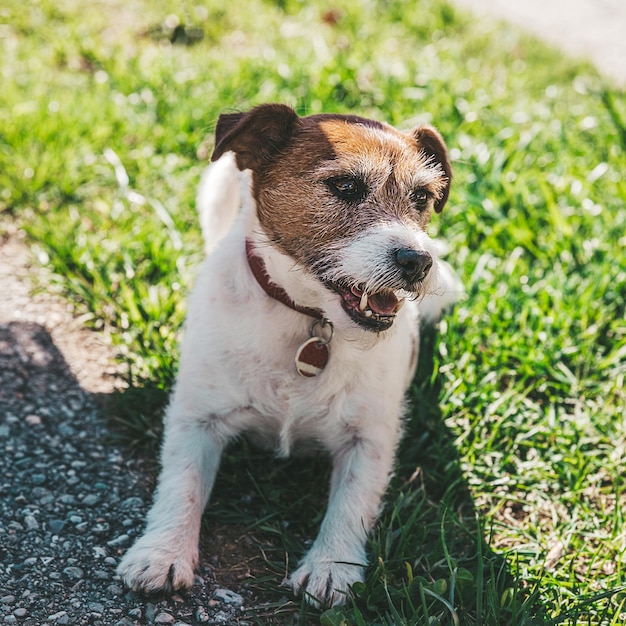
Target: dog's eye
(420,198)
(346,187)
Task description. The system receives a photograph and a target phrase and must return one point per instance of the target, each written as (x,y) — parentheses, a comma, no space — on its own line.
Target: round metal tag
(312,357)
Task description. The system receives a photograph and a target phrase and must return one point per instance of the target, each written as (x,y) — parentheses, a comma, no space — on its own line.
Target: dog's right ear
(433,145)
(256,136)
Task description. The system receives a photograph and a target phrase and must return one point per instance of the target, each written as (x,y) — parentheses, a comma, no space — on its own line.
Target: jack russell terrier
(302,328)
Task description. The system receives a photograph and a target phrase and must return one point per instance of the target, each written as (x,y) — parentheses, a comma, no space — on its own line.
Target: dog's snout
(414,264)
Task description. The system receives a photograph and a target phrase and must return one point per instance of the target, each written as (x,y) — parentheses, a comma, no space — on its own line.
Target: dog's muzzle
(375,309)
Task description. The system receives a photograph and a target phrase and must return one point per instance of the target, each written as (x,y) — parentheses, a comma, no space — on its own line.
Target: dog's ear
(256,136)
(432,143)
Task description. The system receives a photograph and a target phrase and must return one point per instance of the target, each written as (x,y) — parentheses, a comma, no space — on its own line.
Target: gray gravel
(71,503)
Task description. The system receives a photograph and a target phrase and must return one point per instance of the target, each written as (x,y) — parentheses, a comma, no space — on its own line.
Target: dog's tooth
(400,304)
(369,313)
(363,303)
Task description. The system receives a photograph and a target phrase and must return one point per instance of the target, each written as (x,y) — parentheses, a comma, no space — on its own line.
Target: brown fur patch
(300,213)
(292,160)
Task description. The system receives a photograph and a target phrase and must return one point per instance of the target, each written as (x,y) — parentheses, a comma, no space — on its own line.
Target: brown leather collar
(271,289)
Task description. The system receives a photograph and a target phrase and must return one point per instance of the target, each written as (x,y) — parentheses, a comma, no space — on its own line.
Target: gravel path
(70,503)
(590,29)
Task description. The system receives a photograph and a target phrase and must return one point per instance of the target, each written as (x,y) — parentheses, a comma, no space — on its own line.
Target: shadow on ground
(70,502)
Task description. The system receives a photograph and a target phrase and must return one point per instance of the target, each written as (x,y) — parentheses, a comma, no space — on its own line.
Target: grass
(508,501)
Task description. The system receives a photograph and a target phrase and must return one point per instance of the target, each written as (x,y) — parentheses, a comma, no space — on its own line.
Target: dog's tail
(219,199)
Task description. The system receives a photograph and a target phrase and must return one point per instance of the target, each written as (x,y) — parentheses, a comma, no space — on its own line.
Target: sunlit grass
(507,505)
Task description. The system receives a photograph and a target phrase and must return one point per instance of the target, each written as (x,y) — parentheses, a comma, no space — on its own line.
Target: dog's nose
(415,264)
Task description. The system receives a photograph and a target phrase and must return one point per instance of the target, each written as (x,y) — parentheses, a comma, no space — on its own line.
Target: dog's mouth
(373,311)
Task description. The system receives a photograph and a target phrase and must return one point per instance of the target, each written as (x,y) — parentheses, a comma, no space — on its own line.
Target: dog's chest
(269,372)
(287,409)
(240,350)
(287,406)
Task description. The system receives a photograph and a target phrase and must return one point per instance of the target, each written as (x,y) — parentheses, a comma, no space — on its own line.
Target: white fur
(237,375)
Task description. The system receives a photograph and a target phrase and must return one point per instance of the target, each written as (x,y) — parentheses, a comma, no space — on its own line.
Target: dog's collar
(271,289)
(312,356)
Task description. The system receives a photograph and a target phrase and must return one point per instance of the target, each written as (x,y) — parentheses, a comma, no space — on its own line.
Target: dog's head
(347,198)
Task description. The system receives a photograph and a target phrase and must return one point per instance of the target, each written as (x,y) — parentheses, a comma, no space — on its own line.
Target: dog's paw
(150,566)
(324,582)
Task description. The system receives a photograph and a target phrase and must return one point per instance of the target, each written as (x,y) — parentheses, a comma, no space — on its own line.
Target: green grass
(508,501)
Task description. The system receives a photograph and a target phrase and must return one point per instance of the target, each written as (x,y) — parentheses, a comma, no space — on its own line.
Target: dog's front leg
(164,558)
(337,559)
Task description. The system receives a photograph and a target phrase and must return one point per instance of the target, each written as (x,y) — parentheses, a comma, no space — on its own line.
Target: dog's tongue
(383,302)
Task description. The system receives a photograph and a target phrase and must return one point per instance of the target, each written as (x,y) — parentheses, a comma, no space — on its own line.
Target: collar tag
(312,356)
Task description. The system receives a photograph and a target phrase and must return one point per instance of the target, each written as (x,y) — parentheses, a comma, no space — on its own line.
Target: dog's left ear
(432,143)
(256,136)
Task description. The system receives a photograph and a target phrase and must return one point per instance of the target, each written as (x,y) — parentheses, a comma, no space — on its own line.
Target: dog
(302,327)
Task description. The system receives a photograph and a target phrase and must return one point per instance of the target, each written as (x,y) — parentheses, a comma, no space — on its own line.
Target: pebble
(10,619)
(7,599)
(31,522)
(33,420)
(221,618)
(56,526)
(164,618)
(74,572)
(99,551)
(66,430)
(21,612)
(90,500)
(115,590)
(132,502)
(228,596)
(119,541)
(202,615)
